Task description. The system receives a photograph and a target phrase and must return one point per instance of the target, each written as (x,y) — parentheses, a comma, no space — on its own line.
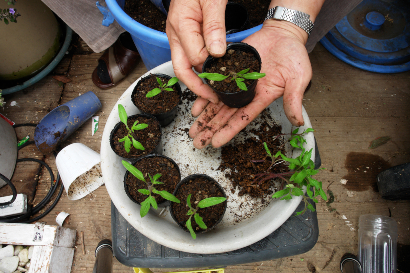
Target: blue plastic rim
(375,37)
(64,120)
(153,45)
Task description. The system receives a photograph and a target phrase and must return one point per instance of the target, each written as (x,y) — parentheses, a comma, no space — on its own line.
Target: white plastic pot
(72,162)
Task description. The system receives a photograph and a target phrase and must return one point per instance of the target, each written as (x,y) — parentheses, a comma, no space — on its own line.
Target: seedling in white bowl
(129,139)
(150,200)
(204,203)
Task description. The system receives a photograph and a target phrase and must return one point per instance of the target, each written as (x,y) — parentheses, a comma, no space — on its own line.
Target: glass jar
(377,244)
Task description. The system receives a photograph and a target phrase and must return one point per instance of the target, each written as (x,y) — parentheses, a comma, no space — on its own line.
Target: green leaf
(139,126)
(308,130)
(213,76)
(211,201)
(134,171)
(281,193)
(145,205)
(153,93)
(323,194)
(199,221)
(254,76)
(293,176)
(300,212)
(295,131)
(172,81)
(309,192)
(144,191)
(313,182)
(240,79)
(127,144)
(267,149)
(241,85)
(123,114)
(159,81)
(190,212)
(306,158)
(292,166)
(153,202)
(242,72)
(6,21)
(310,206)
(290,160)
(155,178)
(137,145)
(169,89)
(287,197)
(297,192)
(188,201)
(189,227)
(301,175)
(169,196)
(295,143)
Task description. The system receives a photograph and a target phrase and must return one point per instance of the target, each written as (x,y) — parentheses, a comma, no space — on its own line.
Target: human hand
(195,29)
(288,72)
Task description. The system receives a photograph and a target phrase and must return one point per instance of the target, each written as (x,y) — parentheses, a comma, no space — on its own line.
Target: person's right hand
(195,29)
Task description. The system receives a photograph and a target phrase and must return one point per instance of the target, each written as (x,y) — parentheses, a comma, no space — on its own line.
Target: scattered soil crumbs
(153,165)
(239,158)
(162,103)
(84,182)
(199,187)
(232,62)
(146,13)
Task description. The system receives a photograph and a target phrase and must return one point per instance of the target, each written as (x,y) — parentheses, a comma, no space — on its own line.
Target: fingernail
(217,48)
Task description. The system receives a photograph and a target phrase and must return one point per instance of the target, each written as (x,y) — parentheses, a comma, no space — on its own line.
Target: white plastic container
(77,160)
(377,244)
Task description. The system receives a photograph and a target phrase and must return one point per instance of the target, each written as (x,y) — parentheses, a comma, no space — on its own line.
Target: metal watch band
(296,17)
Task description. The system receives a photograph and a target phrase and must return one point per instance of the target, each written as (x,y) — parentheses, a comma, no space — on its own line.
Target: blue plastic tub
(153,45)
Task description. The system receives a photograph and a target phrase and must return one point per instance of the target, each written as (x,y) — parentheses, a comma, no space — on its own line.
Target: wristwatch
(296,17)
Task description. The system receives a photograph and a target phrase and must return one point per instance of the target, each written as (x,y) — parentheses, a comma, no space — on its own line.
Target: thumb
(214,32)
(292,102)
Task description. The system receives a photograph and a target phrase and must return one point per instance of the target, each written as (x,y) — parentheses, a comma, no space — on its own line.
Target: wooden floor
(348,108)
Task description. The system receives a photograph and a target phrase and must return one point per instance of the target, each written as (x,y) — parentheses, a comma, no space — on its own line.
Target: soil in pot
(146,13)
(149,137)
(152,165)
(248,159)
(200,187)
(161,103)
(233,61)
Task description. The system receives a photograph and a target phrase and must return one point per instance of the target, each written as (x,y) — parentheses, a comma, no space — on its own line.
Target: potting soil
(146,13)
(178,145)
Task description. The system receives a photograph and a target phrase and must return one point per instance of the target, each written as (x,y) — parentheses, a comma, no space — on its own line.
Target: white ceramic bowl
(159,227)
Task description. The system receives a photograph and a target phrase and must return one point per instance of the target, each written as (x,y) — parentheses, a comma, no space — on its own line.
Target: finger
(206,116)
(186,23)
(204,137)
(214,27)
(199,106)
(183,70)
(246,114)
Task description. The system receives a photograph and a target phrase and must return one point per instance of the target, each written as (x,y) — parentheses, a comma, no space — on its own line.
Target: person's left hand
(288,72)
